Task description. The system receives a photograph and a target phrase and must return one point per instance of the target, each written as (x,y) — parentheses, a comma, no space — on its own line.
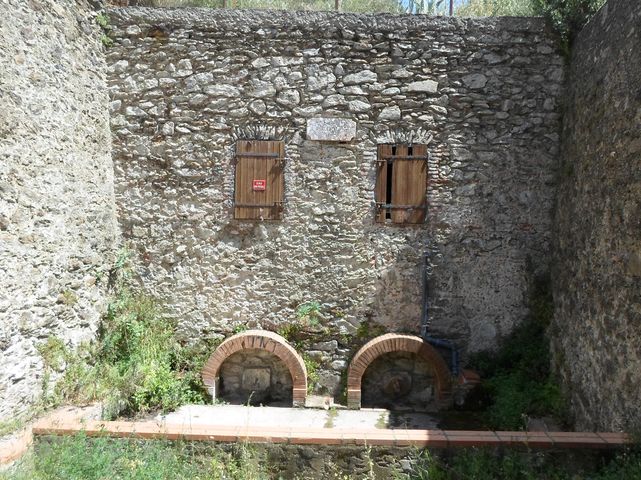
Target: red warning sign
(259,185)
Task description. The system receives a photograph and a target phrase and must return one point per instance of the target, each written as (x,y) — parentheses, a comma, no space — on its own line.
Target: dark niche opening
(255,377)
(399,381)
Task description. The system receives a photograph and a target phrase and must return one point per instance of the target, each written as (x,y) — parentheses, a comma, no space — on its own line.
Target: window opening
(388,186)
(401,183)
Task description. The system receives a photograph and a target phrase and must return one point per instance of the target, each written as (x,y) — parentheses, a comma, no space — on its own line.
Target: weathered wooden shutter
(380,194)
(402,195)
(259,185)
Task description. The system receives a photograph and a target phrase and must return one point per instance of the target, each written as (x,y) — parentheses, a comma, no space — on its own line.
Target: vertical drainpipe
(425,323)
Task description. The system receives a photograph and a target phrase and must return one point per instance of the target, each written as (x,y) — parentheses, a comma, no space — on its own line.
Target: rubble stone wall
(597,274)
(57,215)
(186,84)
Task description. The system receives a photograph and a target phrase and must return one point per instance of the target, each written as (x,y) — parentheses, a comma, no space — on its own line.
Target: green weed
(312,373)
(485,464)
(567,17)
(136,365)
(367,330)
(517,379)
(102,19)
(309,313)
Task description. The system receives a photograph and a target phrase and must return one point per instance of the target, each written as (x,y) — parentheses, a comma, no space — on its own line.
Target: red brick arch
(393,342)
(262,340)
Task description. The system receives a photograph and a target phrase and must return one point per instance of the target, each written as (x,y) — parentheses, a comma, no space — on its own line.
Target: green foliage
(102,19)
(241,327)
(626,465)
(367,330)
(312,372)
(136,365)
(517,378)
(567,17)
(83,458)
(309,313)
(494,8)
(290,331)
(106,40)
(308,318)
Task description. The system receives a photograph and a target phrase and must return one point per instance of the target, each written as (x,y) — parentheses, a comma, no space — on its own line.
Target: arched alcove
(266,343)
(395,343)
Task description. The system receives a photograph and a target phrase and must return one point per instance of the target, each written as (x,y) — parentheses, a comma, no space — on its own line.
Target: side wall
(57,217)
(185,83)
(597,337)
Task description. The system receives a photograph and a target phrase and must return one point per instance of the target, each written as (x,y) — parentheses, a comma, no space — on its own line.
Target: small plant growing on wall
(567,17)
(308,319)
(103,22)
(312,373)
(309,313)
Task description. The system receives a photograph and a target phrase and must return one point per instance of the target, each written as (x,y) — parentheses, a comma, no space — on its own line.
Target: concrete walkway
(244,416)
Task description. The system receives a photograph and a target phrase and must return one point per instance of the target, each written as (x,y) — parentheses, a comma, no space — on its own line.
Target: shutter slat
(399,185)
(417,185)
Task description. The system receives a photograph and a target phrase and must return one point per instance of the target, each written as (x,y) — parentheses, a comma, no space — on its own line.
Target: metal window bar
(391,158)
(389,206)
(260,205)
(258,155)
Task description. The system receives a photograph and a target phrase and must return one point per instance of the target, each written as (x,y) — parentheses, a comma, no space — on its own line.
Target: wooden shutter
(403,195)
(259,163)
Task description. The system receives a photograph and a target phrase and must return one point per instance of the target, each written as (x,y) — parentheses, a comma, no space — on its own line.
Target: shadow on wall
(399,381)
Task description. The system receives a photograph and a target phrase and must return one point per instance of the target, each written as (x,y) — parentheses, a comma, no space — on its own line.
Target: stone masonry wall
(57,216)
(184,84)
(597,271)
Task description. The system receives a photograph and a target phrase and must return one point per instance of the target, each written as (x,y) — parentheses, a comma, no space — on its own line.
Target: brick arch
(262,340)
(389,343)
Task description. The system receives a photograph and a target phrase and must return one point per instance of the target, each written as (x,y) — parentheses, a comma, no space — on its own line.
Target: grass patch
(83,458)
(485,464)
